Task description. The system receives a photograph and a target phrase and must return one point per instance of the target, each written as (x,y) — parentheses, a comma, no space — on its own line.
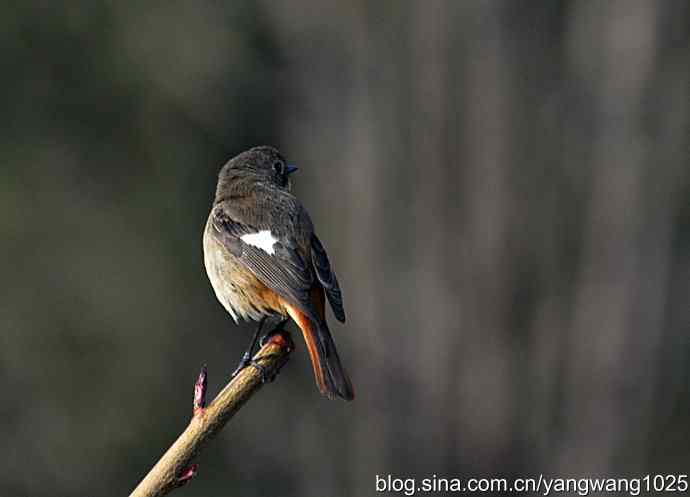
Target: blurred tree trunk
(612,53)
(506,225)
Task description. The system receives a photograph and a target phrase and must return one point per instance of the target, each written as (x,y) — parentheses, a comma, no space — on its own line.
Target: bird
(264,260)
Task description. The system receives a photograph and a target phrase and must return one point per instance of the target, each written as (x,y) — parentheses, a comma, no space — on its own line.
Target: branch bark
(173,469)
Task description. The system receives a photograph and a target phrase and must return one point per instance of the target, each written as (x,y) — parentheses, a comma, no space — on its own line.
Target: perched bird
(264,259)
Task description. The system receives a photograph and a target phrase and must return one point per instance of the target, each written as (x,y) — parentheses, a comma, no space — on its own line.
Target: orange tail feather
(331,378)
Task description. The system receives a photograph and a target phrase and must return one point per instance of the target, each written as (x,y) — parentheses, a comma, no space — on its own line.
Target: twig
(173,469)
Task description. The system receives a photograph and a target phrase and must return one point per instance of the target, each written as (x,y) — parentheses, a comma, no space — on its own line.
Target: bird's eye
(279,166)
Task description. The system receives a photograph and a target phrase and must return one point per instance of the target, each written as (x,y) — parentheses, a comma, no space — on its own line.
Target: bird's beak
(291,168)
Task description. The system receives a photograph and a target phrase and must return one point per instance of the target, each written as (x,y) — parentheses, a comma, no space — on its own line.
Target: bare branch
(174,468)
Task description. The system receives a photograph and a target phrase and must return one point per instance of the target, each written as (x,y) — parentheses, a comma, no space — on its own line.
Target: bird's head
(259,164)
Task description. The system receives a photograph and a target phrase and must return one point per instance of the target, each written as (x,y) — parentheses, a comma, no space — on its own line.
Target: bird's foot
(244,362)
(248,361)
(279,329)
(277,334)
(266,377)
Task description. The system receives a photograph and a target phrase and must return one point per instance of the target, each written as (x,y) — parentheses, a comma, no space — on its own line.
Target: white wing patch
(264,240)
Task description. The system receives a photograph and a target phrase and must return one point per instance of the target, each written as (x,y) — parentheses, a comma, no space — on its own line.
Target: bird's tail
(331,378)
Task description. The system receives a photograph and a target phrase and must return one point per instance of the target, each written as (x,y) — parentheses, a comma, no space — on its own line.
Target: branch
(173,469)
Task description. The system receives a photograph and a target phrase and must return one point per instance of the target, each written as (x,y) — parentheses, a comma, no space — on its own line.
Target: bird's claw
(246,361)
(266,377)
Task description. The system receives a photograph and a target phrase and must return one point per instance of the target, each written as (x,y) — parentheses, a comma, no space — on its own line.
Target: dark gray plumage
(263,258)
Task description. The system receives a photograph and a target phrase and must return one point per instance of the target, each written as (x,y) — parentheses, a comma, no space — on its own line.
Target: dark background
(503,188)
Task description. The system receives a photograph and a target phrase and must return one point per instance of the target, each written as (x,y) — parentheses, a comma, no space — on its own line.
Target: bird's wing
(270,248)
(327,278)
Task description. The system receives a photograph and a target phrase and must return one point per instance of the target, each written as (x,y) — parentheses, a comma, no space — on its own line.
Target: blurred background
(503,188)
